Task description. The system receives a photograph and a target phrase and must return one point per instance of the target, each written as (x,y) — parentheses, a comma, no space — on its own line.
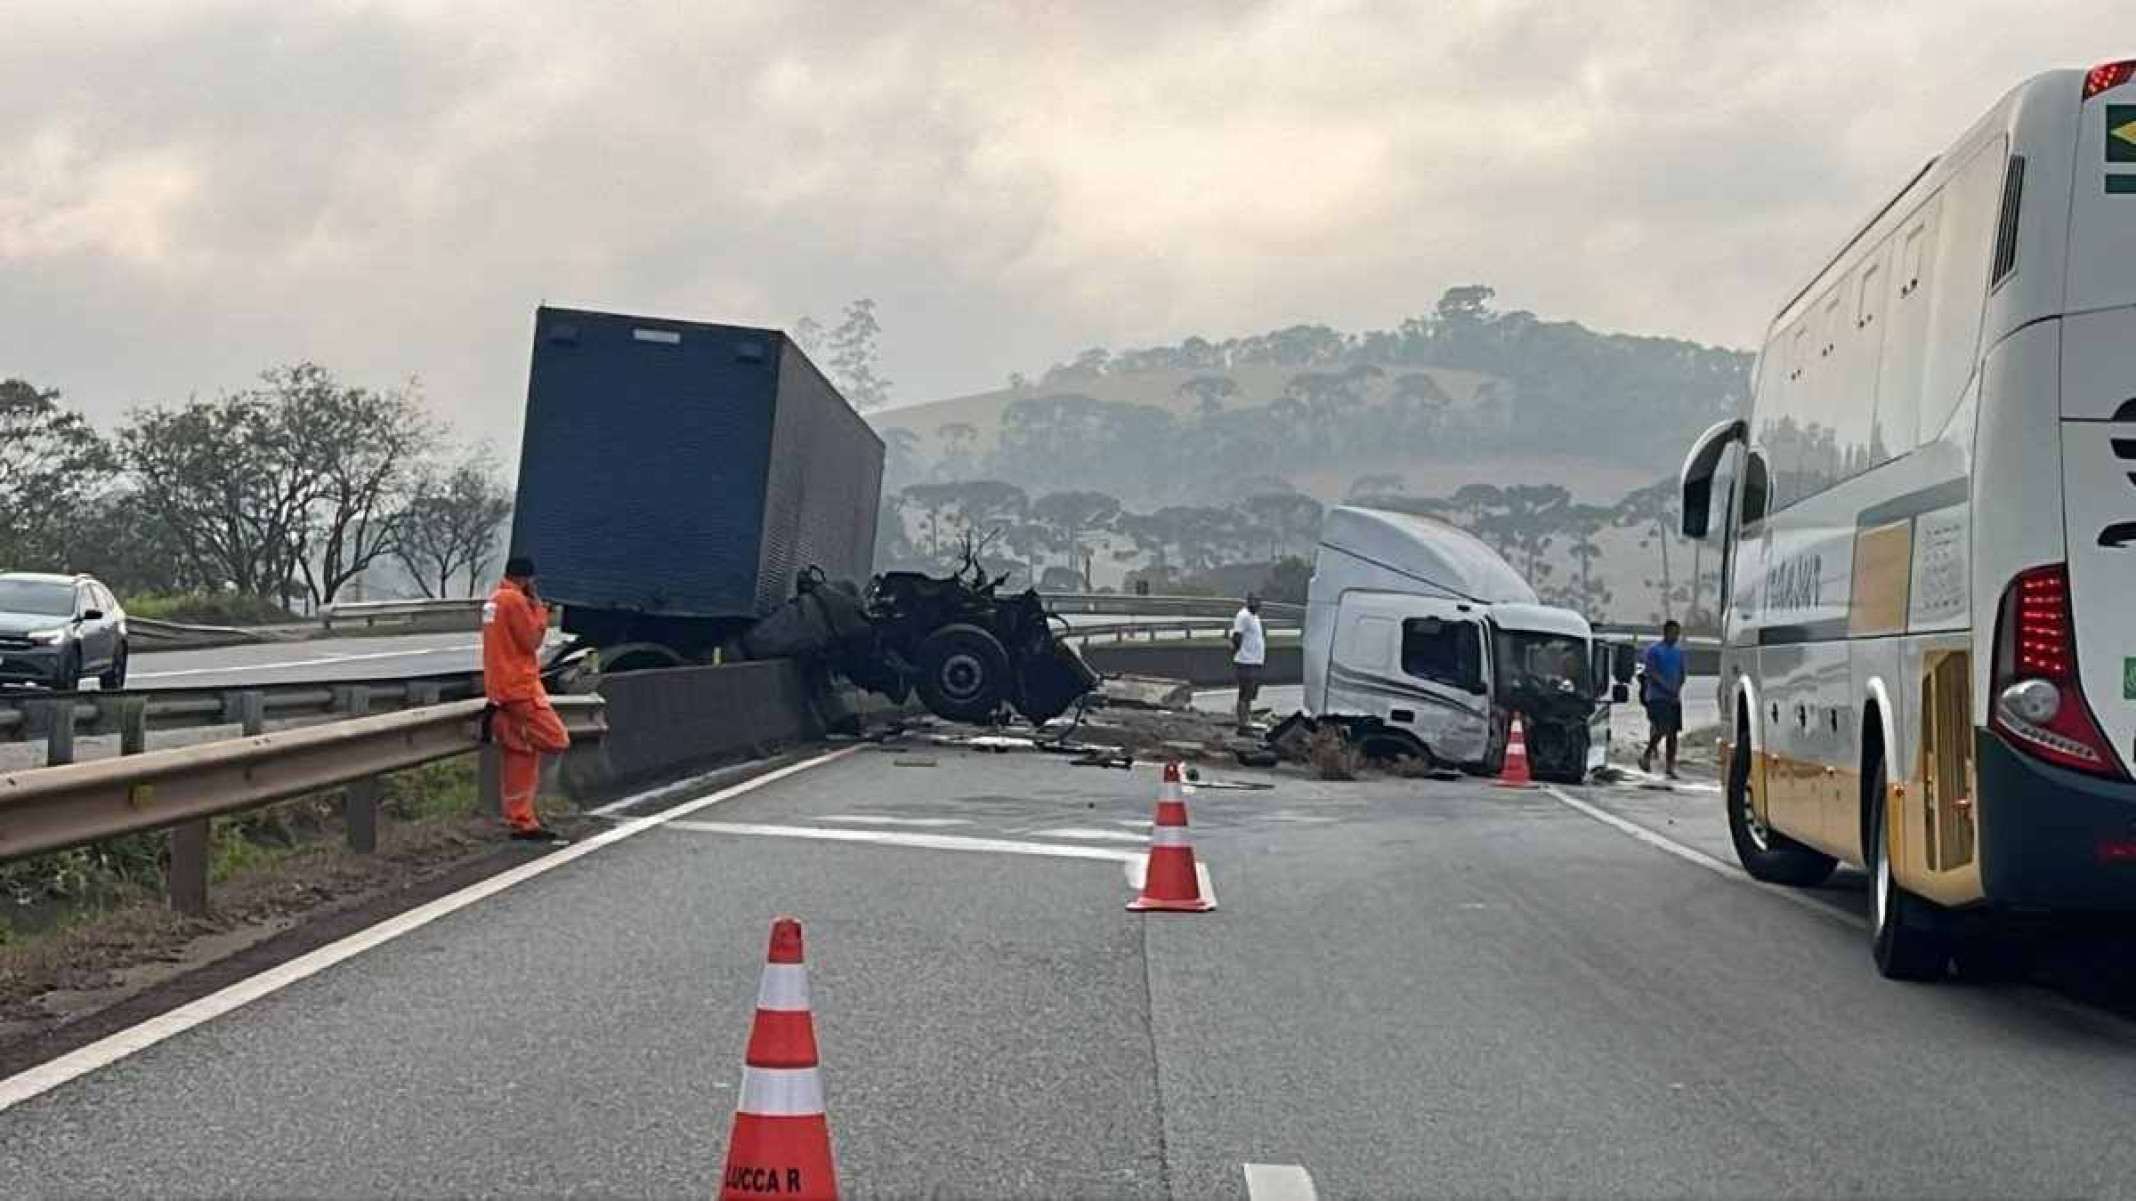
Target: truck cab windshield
(1548,663)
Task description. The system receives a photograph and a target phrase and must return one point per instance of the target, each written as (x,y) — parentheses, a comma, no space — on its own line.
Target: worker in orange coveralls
(522,722)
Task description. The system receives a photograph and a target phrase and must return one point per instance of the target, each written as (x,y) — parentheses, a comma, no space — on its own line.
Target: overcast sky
(192,191)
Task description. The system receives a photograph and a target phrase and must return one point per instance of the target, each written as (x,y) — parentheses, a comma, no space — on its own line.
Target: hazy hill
(1553,441)
(1463,394)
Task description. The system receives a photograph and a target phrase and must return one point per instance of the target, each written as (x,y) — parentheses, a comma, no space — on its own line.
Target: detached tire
(963,673)
(1765,853)
(1907,944)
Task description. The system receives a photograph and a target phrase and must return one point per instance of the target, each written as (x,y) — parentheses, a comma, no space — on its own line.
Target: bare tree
(224,479)
(362,447)
(449,528)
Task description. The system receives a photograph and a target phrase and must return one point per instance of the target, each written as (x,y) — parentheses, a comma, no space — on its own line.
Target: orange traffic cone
(781,1143)
(1169,881)
(1515,773)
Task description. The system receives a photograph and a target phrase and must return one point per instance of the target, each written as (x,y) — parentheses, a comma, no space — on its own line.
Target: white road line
(877,819)
(236,668)
(80,1062)
(1279,1182)
(1671,785)
(1089,834)
(931,842)
(1700,858)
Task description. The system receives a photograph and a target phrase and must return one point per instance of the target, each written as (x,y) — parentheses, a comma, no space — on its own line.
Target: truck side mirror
(1623,662)
(1620,694)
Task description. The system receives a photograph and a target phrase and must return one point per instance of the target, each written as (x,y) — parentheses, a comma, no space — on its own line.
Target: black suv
(57,629)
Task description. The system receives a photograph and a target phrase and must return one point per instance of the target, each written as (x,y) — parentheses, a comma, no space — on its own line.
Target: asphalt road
(1412,988)
(381,657)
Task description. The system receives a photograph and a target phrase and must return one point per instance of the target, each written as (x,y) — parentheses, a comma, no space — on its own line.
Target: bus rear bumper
(2051,838)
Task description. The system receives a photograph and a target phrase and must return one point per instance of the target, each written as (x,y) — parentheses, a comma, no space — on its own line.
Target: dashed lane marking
(877,819)
(80,1062)
(1699,858)
(900,838)
(1092,835)
(1279,1182)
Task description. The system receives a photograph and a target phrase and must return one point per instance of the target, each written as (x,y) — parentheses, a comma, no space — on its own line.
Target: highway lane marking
(1093,835)
(901,838)
(1279,1182)
(1668,784)
(877,819)
(1693,855)
(83,1060)
(320,661)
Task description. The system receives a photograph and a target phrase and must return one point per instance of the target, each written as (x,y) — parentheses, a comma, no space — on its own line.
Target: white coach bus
(1928,526)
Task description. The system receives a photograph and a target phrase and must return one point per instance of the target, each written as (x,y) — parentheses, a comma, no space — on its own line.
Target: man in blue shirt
(1662,690)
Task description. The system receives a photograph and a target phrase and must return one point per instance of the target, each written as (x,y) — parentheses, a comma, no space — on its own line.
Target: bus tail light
(2038,701)
(2106,76)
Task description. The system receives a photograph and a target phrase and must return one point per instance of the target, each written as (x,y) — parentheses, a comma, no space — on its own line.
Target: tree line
(1055,539)
(1546,387)
(286,492)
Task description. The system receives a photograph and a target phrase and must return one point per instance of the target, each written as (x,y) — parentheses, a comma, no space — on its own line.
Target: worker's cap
(519,566)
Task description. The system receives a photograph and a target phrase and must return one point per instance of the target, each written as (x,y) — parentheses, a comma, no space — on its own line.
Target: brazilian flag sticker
(2121,133)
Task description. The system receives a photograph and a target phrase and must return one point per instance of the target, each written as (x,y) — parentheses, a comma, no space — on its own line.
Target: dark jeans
(1249,680)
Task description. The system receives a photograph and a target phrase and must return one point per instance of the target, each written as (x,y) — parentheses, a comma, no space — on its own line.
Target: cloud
(195,191)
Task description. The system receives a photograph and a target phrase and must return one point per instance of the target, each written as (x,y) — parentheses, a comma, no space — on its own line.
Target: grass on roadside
(48,893)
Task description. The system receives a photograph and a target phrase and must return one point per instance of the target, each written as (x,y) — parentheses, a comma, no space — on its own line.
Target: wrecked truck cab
(952,639)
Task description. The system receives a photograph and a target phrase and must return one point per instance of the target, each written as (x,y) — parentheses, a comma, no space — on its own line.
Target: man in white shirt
(1249,652)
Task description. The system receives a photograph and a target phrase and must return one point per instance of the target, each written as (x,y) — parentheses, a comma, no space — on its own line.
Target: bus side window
(1958,291)
(1898,380)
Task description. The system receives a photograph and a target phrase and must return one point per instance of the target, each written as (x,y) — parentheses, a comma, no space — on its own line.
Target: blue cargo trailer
(676,477)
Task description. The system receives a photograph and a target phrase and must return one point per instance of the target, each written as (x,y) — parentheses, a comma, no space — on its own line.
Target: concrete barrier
(668,721)
(1205,665)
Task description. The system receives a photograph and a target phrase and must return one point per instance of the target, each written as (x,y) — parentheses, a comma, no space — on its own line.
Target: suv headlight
(47,637)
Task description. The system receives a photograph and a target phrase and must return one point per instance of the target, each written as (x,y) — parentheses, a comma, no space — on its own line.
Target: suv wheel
(114,678)
(69,676)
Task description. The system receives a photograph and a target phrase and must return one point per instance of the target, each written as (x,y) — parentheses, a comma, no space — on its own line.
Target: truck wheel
(1765,853)
(1907,945)
(964,673)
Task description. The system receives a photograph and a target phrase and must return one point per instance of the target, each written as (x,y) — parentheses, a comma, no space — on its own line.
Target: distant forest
(1202,471)
(1548,387)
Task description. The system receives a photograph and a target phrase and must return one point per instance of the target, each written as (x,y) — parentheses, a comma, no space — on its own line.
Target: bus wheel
(1991,957)
(1906,945)
(1766,853)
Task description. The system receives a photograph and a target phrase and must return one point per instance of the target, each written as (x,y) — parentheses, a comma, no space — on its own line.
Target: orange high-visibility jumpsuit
(525,725)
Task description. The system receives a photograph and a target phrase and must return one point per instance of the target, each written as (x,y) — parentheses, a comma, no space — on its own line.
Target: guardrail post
(252,712)
(359,798)
(133,725)
(423,692)
(187,877)
(59,732)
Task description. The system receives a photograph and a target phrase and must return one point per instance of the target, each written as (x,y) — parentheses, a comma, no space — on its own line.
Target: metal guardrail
(1129,605)
(402,612)
(53,808)
(28,715)
(1158,631)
